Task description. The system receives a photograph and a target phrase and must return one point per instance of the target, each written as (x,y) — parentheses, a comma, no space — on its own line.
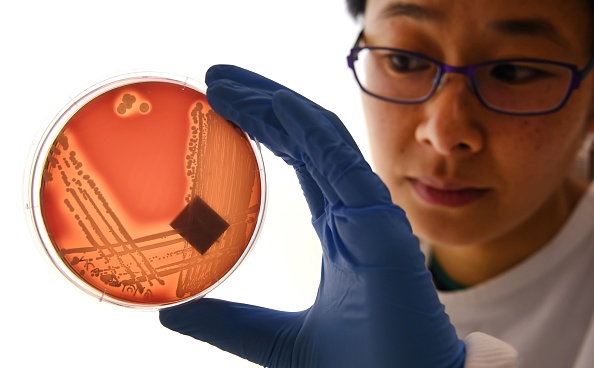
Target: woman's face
(465,174)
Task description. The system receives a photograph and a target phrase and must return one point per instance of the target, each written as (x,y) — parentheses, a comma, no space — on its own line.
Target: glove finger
(241,76)
(311,191)
(256,81)
(339,127)
(340,170)
(263,336)
(251,110)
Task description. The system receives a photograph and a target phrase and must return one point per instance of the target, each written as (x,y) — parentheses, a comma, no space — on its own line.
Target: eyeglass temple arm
(587,68)
(350,57)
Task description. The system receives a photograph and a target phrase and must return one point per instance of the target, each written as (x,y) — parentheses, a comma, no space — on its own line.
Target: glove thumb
(263,336)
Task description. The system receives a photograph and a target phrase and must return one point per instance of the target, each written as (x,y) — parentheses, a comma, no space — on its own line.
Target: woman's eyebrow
(397,8)
(535,27)
(538,27)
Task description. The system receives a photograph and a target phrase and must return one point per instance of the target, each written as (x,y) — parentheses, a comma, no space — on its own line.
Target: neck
(473,264)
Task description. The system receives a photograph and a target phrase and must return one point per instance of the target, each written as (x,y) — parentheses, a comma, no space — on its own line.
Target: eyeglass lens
(509,86)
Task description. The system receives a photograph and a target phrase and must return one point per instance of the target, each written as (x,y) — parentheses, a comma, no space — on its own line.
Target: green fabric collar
(441,279)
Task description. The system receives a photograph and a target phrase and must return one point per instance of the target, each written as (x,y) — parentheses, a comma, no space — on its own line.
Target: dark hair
(356,7)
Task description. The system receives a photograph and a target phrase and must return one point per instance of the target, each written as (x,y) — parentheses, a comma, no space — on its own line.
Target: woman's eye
(407,63)
(513,73)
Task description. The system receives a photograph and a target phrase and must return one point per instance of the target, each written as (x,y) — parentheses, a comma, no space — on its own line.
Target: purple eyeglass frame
(577,75)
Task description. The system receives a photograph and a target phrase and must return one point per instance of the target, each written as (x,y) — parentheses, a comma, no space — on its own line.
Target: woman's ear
(590,126)
(588,150)
(590,122)
(589,145)
(584,162)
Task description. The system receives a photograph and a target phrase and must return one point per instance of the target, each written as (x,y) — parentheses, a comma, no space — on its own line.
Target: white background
(50,50)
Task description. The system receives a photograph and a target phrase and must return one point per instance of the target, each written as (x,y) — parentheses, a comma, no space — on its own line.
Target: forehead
(565,22)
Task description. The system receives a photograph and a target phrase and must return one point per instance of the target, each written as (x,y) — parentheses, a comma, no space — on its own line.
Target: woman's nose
(450,125)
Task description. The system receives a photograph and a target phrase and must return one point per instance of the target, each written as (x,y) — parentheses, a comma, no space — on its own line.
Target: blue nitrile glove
(376,305)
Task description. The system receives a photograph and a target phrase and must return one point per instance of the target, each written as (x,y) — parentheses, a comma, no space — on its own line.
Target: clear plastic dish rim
(37,160)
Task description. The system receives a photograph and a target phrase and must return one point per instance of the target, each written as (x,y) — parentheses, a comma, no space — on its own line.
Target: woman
(476,111)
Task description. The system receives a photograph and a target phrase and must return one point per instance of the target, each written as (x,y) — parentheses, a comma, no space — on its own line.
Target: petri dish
(141,195)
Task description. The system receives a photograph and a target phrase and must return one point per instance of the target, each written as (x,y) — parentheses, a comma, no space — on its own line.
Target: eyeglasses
(510,86)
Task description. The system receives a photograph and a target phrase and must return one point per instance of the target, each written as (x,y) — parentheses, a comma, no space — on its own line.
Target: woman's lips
(448,195)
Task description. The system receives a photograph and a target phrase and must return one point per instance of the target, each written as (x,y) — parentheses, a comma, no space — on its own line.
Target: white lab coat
(540,313)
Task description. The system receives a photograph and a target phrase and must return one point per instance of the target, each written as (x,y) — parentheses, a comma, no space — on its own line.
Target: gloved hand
(376,305)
